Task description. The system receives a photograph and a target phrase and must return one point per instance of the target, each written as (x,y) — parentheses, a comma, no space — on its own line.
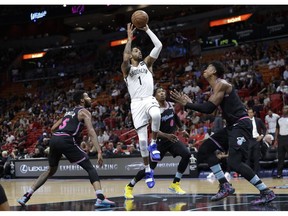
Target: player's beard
(87,104)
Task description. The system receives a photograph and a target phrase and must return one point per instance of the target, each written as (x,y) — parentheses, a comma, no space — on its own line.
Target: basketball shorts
(234,138)
(140,110)
(65,145)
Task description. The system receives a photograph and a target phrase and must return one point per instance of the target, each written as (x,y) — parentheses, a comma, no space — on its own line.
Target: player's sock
(132,183)
(219,174)
(177,177)
(256,181)
(99,194)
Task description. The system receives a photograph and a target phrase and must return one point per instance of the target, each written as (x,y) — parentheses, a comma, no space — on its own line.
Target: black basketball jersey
(70,123)
(232,108)
(168,123)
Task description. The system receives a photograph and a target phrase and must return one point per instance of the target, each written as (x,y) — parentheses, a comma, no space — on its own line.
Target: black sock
(100,196)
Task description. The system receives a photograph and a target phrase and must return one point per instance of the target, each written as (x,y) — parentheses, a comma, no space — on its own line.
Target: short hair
(135,47)
(219,67)
(156,89)
(78,95)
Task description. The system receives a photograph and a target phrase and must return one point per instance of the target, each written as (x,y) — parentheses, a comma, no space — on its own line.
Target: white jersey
(140,81)
(271,121)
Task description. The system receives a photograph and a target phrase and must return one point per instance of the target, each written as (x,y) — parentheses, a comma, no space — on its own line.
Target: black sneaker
(23,200)
(265,197)
(225,190)
(278,177)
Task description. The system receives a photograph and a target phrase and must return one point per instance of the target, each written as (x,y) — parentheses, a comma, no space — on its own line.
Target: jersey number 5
(64,123)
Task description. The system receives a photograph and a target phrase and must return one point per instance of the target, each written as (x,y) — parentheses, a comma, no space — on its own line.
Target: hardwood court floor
(78,195)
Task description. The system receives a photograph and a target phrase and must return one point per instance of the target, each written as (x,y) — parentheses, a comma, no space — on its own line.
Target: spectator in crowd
(38,153)
(3,160)
(102,137)
(128,120)
(257,107)
(271,121)
(119,149)
(285,73)
(10,138)
(109,151)
(187,87)
(133,151)
(113,137)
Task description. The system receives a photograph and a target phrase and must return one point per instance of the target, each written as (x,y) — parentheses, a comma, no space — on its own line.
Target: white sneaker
(227,176)
(211,176)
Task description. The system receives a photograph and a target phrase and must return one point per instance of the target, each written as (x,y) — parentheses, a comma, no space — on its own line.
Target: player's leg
(53,158)
(207,153)
(4,205)
(37,184)
(155,115)
(179,149)
(128,191)
(101,201)
(238,151)
(143,137)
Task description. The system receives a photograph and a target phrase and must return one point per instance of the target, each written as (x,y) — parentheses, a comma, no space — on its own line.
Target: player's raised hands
(130,30)
(180,97)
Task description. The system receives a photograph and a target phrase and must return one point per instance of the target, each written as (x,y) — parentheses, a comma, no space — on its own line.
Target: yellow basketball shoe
(129,205)
(128,192)
(177,206)
(175,188)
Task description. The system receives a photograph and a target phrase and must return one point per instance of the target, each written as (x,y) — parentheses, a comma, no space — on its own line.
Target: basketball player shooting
(138,76)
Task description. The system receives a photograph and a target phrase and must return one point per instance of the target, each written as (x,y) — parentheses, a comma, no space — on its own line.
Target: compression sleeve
(207,107)
(157,44)
(178,121)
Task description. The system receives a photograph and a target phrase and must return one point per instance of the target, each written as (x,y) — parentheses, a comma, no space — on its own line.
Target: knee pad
(88,167)
(155,115)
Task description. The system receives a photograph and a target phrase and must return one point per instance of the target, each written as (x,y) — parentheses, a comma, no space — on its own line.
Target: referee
(281,140)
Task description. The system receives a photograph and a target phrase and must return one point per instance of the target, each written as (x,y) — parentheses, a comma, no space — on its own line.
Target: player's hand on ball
(145,28)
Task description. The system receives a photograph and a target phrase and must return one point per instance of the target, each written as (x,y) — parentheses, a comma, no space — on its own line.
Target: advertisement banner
(112,167)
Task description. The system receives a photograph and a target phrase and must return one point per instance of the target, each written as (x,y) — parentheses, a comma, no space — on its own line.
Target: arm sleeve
(157,44)
(178,121)
(207,107)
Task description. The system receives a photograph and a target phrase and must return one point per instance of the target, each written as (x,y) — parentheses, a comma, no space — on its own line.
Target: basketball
(139,18)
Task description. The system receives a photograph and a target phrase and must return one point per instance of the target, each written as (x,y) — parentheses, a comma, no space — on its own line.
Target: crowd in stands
(26,118)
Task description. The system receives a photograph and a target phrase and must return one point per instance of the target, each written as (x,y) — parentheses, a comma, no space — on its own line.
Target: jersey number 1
(140,80)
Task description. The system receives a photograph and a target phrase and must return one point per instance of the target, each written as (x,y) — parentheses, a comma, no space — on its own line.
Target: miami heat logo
(240,140)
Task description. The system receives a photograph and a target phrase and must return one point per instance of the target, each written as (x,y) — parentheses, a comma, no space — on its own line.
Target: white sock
(147,169)
(30,191)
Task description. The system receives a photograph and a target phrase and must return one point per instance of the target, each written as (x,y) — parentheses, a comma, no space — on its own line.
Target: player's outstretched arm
(157,47)
(127,51)
(207,107)
(86,116)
